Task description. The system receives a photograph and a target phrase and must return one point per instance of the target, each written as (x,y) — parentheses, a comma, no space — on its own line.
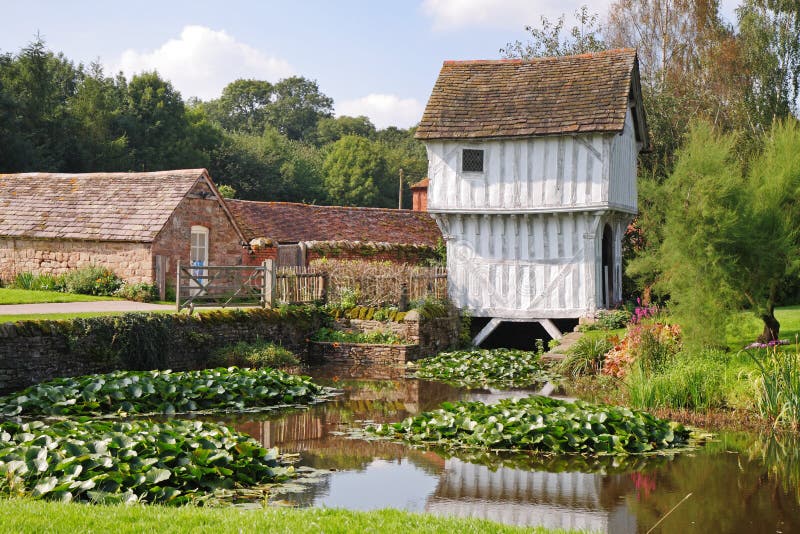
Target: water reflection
(740,483)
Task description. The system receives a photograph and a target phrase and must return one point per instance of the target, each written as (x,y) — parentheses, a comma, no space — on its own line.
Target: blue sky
(377,58)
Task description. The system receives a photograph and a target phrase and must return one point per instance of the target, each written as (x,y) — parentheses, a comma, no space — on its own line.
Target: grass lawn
(60,316)
(25,296)
(27,515)
(747,327)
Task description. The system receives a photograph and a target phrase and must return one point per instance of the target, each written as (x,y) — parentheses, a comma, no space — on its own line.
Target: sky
(377,58)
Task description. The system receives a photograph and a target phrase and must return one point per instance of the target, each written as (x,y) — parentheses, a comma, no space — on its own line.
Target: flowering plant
(639,343)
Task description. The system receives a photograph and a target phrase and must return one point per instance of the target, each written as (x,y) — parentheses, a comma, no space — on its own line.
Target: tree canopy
(266,141)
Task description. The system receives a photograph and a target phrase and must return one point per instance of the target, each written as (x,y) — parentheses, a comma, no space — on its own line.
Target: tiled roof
(287,222)
(422,184)
(542,96)
(96,206)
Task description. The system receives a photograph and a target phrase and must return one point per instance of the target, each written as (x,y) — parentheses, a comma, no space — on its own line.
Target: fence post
(178,287)
(268,288)
(403,304)
(325,283)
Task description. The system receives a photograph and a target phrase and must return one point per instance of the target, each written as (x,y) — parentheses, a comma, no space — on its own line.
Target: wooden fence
(243,285)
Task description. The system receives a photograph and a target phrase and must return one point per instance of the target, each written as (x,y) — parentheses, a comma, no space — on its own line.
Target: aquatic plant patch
(137,392)
(172,462)
(538,424)
(502,368)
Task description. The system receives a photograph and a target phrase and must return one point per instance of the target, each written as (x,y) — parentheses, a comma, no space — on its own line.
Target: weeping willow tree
(731,230)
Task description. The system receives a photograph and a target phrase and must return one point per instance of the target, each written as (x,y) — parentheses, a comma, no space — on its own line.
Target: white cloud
(203,61)
(503,14)
(384,110)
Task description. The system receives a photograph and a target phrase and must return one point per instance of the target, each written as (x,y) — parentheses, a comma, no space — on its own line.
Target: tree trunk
(771,327)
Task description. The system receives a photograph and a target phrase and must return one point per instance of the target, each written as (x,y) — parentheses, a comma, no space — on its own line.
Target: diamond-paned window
(472,160)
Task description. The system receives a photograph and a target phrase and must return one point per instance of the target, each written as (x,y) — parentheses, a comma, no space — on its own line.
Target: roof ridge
(302,204)
(519,61)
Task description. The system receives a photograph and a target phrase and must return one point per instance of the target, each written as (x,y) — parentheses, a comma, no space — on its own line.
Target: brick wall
(174,240)
(34,351)
(131,261)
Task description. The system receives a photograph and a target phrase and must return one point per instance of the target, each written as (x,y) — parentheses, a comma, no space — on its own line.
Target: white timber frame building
(532,169)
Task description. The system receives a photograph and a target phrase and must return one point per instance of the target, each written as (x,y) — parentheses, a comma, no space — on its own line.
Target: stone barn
(138,224)
(532,180)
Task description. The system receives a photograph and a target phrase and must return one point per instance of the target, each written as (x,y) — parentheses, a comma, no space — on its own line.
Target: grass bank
(21,515)
(63,316)
(28,296)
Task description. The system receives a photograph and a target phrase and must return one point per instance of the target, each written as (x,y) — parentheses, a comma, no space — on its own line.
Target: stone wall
(362,353)
(131,261)
(433,335)
(174,240)
(34,351)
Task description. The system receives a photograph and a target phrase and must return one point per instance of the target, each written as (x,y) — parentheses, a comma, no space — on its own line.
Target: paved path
(81,307)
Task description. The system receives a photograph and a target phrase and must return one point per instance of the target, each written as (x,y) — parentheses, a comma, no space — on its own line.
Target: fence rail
(243,285)
(266,286)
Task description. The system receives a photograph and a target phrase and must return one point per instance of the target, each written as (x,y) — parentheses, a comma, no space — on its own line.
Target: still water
(738,483)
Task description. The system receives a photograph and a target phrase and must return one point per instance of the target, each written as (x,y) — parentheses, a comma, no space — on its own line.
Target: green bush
(256,355)
(141,292)
(585,356)
(40,282)
(92,280)
(608,320)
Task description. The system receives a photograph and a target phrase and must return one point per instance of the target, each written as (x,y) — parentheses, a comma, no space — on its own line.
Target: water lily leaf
(45,486)
(155,475)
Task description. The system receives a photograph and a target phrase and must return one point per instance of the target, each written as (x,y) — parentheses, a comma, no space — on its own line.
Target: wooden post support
(268,288)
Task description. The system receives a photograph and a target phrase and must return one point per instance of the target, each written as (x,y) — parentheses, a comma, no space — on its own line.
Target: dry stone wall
(35,351)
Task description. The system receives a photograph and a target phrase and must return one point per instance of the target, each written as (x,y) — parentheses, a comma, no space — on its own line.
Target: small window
(198,252)
(472,160)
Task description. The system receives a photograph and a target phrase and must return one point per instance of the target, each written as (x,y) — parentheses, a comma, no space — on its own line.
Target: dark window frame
(472,160)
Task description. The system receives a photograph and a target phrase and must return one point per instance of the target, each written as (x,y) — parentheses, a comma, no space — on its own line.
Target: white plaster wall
(523,266)
(622,169)
(534,174)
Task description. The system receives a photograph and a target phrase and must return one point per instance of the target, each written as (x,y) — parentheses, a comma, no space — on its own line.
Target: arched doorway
(608,267)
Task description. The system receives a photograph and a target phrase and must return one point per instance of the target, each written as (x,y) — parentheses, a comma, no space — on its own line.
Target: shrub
(256,355)
(341,336)
(607,320)
(430,307)
(92,280)
(141,292)
(650,344)
(586,356)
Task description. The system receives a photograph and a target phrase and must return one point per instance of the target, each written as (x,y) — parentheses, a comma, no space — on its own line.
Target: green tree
(355,173)
(242,106)
(769,33)
(159,131)
(730,236)
(549,41)
(330,130)
(297,107)
(95,107)
(268,167)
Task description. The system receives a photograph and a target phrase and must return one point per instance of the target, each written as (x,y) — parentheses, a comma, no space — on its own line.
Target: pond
(739,482)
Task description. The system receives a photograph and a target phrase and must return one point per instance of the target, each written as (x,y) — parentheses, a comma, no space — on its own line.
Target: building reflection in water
(569,500)
(363,475)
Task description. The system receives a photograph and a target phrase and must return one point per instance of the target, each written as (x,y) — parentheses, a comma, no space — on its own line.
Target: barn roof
(287,222)
(541,96)
(123,206)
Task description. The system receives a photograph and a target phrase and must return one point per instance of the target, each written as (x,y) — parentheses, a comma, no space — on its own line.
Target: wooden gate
(221,286)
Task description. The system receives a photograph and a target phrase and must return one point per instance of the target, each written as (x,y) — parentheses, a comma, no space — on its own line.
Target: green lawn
(60,316)
(26,296)
(24,515)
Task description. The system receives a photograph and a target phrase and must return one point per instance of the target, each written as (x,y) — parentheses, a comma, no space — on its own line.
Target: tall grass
(777,384)
(689,380)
